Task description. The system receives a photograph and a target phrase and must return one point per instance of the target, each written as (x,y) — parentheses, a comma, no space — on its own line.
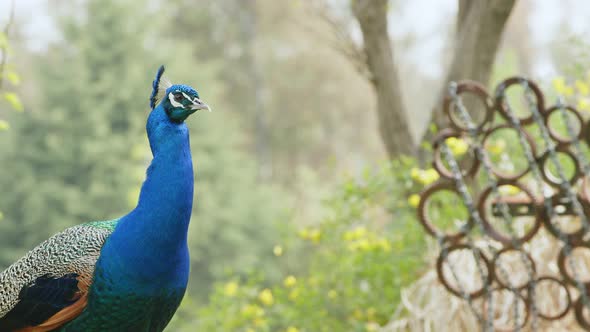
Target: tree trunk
(479,30)
(393,122)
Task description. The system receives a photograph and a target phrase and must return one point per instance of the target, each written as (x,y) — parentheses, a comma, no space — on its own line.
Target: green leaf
(433,128)
(426,146)
(4,126)
(12,77)
(14,101)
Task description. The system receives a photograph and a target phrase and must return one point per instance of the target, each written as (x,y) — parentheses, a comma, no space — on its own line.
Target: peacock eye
(178,97)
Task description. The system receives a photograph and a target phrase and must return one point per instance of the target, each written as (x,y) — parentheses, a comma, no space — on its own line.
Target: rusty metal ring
(526,311)
(508,241)
(517,80)
(586,134)
(560,314)
(495,262)
(552,179)
(425,221)
(561,260)
(560,139)
(585,190)
(439,271)
(475,88)
(572,237)
(529,140)
(438,163)
(579,313)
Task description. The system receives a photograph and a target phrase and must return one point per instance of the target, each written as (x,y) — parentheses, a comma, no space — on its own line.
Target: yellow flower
(332,294)
(355,234)
(4,125)
(497,146)
(266,297)
(250,330)
(230,289)
(315,235)
(277,250)
(415,173)
(582,87)
(509,190)
(292,329)
(458,146)
(583,105)
(348,236)
(558,83)
(414,200)
(304,233)
(364,245)
(561,87)
(431,175)
(360,232)
(252,310)
(427,176)
(290,281)
(372,327)
(384,245)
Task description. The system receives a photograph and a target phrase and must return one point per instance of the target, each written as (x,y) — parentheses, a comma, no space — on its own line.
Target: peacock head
(179,101)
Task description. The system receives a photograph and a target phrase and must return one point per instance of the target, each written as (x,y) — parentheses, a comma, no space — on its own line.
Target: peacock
(127,274)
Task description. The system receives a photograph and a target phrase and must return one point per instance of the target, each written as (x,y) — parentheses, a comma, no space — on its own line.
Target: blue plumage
(141,274)
(156,86)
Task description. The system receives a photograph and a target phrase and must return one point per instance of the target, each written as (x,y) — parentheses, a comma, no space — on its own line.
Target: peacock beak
(198,104)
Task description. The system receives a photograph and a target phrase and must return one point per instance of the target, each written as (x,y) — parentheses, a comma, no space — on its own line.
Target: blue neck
(152,239)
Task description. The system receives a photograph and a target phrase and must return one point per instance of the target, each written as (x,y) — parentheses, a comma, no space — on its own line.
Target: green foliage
(68,161)
(9,80)
(81,153)
(362,253)
(13,100)
(235,219)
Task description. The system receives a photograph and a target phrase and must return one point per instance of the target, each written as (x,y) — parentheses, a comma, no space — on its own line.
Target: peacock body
(128,274)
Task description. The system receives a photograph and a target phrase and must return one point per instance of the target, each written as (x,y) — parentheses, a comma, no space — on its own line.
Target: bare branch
(339,37)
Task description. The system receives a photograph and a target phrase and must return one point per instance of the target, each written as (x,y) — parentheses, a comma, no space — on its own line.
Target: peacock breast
(121,305)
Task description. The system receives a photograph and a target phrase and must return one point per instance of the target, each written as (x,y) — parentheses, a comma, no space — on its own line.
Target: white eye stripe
(174,102)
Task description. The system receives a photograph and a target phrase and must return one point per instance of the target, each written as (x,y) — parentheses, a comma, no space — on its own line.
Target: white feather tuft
(164,84)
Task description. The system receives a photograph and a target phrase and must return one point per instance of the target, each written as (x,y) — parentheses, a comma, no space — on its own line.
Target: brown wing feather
(60,318)
(67,314)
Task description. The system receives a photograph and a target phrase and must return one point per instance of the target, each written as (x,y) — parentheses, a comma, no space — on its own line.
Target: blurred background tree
(82,155)
(9,79)
(478,31)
